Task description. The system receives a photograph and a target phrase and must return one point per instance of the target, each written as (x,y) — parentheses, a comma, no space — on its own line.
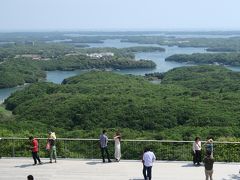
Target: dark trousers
(36,157)
(147,172)
(105,149)
(197,158)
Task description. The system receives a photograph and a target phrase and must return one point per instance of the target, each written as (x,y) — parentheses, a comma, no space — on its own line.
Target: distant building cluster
(74,54)
(100,55)
(93,55)
(180,42)
(31,56)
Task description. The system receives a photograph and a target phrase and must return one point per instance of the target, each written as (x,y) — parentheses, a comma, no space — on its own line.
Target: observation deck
(84,169)
(80,159)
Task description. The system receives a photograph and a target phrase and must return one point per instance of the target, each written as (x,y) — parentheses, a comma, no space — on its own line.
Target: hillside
(204,78)
(191,100)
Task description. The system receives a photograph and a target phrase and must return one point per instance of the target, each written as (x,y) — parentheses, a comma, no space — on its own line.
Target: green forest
(232,59)
(18,66)
(190,101)
(231,44)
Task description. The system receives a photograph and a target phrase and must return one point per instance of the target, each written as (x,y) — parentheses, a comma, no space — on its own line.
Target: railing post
(0,148)
(65,154)
(13,148)
(229,154)
(92,149)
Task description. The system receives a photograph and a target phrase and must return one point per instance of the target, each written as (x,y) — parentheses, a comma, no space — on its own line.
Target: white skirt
(117,154)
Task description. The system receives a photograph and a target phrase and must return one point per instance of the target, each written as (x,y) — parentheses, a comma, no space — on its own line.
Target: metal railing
(131,149)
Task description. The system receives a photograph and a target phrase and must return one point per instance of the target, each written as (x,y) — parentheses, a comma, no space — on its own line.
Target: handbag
(48,146)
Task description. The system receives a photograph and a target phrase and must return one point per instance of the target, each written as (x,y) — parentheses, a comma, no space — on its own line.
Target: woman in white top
(117,139)
(197,151)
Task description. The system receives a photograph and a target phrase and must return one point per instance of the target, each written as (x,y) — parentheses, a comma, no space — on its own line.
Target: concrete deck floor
(77,169)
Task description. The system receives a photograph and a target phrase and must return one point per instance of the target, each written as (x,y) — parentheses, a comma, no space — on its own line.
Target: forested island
(34,53)
(21,64)
(81,39)
(190,101)
(143,49)
(232,59)
(231,44)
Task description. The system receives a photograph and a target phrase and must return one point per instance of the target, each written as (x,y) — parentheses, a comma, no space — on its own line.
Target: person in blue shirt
(209,147)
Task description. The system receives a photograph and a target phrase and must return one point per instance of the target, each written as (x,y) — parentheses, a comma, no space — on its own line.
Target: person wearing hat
(209,146)
(51,146)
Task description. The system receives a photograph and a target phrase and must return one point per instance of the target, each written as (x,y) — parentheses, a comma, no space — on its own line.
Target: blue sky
(119,15)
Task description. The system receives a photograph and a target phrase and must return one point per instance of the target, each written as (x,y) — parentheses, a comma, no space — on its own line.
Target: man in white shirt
(148,159)
(197,151)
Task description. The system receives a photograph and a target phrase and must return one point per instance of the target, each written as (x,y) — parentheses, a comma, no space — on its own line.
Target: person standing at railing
(208,164)
(34,149)
(103,145)
(117,140)
(209,146)
(197,147)
(51,146)
(147,160)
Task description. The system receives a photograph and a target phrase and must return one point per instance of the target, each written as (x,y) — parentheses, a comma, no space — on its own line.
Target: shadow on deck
(73,169)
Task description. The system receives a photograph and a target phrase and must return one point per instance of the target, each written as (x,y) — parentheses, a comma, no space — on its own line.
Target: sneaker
(50,162)
(34,164)
(40,163)
(55,161)
(109,161)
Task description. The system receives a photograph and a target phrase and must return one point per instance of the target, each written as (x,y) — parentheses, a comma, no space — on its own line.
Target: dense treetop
(204,78)
(198,96)
(232,59)
(189,101)
(19,67)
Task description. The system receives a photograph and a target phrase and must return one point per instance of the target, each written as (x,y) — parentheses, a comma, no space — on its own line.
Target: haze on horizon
(38,15)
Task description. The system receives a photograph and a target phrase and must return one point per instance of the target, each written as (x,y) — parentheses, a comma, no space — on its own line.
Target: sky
(38,15)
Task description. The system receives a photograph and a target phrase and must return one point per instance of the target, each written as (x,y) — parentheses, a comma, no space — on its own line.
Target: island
(21,63)
(232,59)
